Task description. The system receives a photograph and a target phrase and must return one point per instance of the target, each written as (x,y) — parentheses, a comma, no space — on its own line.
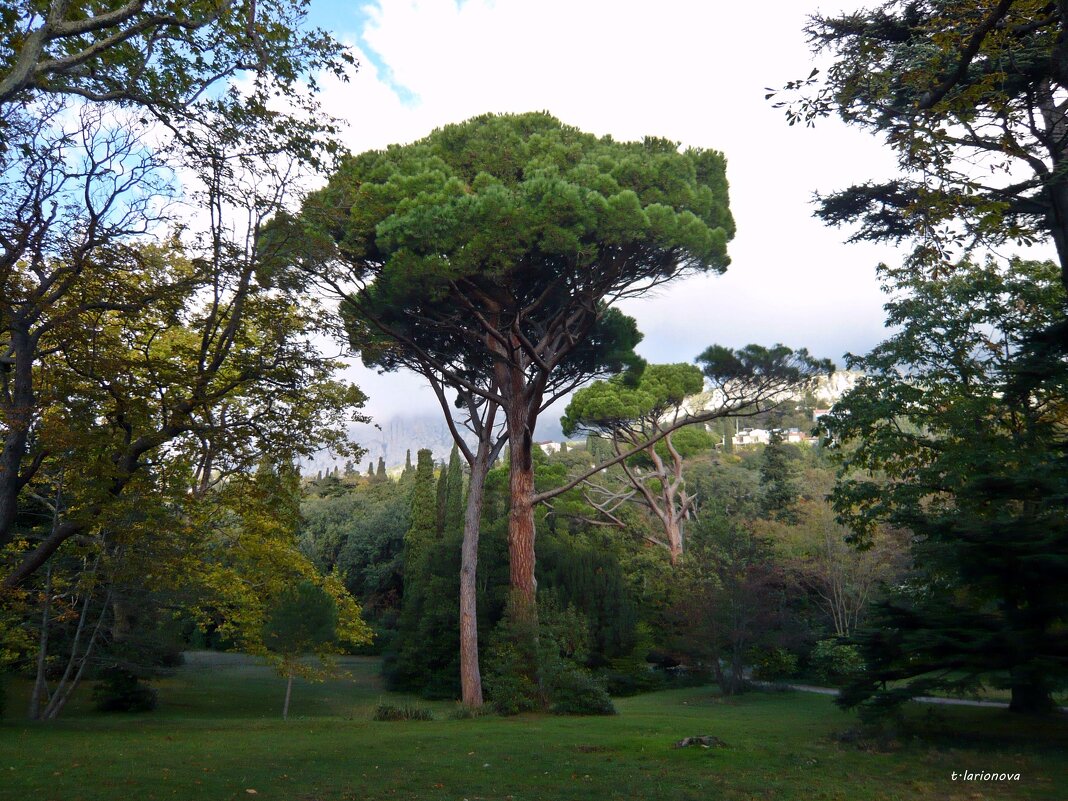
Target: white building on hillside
(752,436)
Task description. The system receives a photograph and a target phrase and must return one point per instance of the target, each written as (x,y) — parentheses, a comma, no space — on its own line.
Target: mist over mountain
(392,437)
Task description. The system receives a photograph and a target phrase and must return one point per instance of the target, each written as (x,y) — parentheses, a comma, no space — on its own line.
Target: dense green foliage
(948,83)
(359,529)
(778,492)
(120,690)
(940,442)
(500,200)
(300,621)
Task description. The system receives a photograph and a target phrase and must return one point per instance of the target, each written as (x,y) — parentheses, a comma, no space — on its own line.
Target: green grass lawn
(218,735)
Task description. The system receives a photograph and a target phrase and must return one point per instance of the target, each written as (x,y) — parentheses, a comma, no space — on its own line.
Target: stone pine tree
(652,419)
(508,237)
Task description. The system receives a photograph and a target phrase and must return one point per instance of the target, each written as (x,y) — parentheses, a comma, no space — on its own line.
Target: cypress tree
(776,481)
(380,475)
(423,530)
(405,667)
(453,508)
(442,492)
(439,624)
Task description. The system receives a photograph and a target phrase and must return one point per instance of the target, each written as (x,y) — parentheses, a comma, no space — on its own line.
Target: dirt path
(923,699)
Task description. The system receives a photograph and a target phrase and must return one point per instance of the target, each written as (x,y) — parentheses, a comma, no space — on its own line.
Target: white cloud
(690,71)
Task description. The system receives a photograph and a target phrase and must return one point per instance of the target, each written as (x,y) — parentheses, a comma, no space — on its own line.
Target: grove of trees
(166,283)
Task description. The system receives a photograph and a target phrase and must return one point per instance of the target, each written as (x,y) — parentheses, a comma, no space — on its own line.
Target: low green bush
(625,683)
(774,664)
(511,693)
(389,712)
(833,661)
(575,692)
(121,690)
(464,712)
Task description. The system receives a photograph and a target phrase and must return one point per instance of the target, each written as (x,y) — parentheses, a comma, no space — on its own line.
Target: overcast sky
(691,71)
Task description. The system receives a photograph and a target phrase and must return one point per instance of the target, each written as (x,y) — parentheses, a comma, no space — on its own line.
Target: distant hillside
(831,388)
(827,391)
(392,437)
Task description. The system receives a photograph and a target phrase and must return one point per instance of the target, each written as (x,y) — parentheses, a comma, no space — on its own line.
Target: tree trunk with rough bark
(18,416)
(470,675)
(521,532)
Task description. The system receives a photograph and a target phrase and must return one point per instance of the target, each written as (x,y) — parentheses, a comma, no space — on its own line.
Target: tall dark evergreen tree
(453,508)
(779,491)
(429,658)
(949,84)
(942,442)
(405,665)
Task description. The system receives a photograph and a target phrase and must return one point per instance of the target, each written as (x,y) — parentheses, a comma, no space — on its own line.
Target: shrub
(773,664)
(832,661)
(389,712)
(575,692)
(513,666)
(535,668)
(511,692)
(464,712)
(632,682)
(120,690)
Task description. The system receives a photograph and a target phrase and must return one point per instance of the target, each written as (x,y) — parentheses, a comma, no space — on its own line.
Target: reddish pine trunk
(512,380)
(521,527)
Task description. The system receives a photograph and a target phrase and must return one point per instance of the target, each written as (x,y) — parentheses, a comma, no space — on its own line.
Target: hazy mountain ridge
(391,438)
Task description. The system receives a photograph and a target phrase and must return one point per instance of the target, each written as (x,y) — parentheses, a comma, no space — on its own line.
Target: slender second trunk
(67,684)
(470,675)
(289,693)
(40,684)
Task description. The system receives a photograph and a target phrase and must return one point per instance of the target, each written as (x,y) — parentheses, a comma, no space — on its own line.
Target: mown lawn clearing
(218,735)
